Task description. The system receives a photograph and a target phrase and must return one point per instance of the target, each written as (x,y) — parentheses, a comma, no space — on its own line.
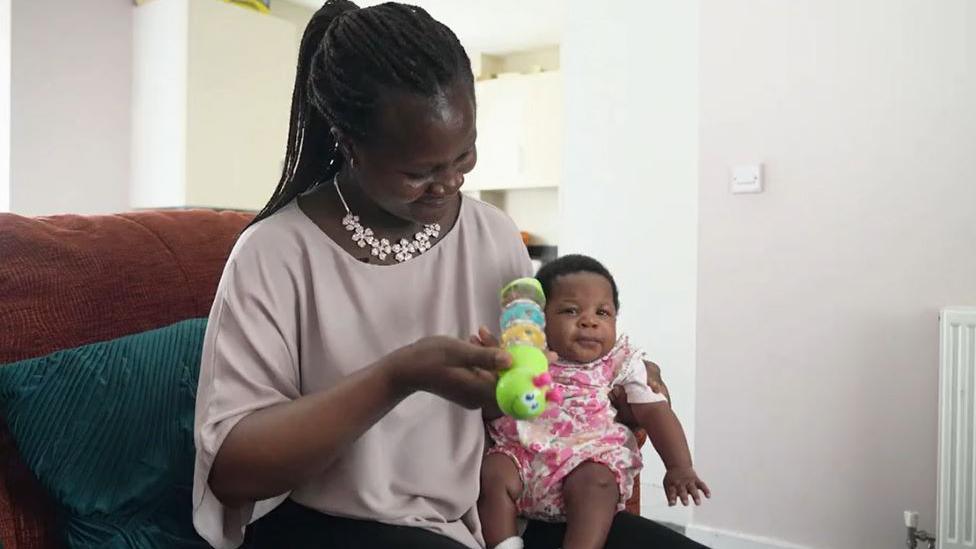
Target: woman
(320,396)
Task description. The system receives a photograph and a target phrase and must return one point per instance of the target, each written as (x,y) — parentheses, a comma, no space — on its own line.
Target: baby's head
(581,307)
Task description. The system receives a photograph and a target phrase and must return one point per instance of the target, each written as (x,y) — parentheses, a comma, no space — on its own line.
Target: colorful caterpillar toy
(523,391)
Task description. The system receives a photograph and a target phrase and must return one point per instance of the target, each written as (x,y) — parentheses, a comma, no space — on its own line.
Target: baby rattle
(523,390)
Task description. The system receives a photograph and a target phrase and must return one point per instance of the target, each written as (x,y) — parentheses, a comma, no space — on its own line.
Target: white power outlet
(747,179)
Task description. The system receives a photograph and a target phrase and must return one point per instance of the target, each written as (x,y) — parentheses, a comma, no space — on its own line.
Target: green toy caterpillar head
(523,390)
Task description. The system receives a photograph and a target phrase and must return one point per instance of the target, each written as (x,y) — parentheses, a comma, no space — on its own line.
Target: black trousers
(293,526)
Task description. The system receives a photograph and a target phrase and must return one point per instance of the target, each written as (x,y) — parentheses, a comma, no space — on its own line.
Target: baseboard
(725,539)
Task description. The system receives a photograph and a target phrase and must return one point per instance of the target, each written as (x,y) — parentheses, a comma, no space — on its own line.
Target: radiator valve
(914,535)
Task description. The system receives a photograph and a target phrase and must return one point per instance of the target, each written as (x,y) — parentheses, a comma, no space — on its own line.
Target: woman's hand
(484,338)
(618,397)
(462,372)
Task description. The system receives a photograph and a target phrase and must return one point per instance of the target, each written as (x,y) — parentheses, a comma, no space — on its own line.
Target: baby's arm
(668,438)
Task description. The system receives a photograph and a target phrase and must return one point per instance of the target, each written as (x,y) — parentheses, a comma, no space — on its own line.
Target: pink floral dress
(546,450)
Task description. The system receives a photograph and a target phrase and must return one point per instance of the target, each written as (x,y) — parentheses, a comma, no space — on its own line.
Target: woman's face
(415,164)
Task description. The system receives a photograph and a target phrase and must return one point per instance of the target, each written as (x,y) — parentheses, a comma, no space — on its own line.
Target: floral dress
(547,449)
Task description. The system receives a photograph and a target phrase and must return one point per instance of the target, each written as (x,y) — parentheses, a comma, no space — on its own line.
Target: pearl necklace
(381,247)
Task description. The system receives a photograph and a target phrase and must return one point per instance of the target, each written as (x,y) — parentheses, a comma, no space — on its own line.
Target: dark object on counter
(545,254)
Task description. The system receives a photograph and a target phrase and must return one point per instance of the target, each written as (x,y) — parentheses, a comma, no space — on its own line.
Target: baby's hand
(681,482)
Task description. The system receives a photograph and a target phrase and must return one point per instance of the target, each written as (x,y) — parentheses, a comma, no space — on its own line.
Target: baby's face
(581,321)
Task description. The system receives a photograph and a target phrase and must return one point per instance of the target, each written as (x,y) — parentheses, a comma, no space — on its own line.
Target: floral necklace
(381,247)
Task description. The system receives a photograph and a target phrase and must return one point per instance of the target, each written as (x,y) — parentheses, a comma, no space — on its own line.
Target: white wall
(240,79)
(212,95)
(160,70)
(629,194)
(818,300)
(71,72)
(4,105)
(297,14)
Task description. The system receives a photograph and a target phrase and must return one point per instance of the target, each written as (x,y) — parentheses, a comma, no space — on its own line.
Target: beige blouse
(294,313)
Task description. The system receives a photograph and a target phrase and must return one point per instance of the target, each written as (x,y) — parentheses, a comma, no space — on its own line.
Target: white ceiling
(491,26)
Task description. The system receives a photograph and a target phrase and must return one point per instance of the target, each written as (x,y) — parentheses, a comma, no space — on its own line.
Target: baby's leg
(591,496)
(500,489)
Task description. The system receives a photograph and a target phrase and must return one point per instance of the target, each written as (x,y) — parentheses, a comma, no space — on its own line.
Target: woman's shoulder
(281,237)
(487,214)
(488,227)
(488,221)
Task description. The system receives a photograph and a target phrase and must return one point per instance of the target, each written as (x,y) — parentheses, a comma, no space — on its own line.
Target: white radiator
(956,515)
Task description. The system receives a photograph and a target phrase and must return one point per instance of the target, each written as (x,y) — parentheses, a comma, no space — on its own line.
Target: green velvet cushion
(108,430)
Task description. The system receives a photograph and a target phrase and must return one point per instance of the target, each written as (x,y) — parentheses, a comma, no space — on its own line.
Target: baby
(575,463)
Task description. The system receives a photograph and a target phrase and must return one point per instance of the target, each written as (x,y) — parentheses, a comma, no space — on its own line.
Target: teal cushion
(108,430)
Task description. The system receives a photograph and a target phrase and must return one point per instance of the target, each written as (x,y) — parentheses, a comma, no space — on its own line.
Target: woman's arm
(273,450)
(618,396)
(654,380)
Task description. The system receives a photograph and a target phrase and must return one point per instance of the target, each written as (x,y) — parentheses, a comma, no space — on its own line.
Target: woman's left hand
(618,397)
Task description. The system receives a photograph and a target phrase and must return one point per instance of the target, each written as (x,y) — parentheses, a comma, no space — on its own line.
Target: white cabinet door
(519,132)
(540,151)
(500,106)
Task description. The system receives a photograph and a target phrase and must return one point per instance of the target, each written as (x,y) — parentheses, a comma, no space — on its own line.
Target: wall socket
(747,179)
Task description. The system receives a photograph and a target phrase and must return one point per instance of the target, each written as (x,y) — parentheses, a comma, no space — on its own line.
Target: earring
(335,155)
(352,162)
